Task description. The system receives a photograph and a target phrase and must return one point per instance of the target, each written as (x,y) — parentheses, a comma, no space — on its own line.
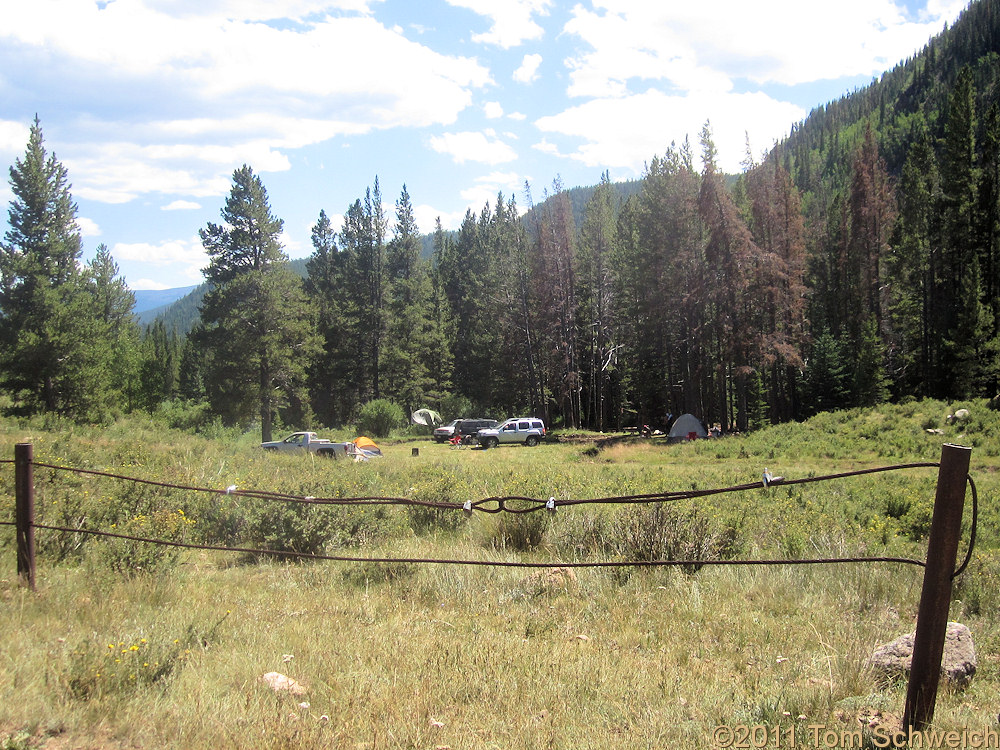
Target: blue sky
(151,104)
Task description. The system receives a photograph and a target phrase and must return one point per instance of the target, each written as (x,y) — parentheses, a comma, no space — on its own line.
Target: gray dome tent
(686,427)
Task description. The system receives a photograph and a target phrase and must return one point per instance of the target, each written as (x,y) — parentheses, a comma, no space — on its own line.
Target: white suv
(527,430)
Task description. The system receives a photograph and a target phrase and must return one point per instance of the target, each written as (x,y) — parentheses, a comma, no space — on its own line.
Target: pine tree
(912,269)
(50,358)
(332,375)
(406,362)
(734,263)
(871,386)
(159,366)
(778,229)
(597,305)
(441,332)
(363,241)
(960,285)
(467,270)
(825,375)
(554,270)
(659,272)
(118,334)
(258,332)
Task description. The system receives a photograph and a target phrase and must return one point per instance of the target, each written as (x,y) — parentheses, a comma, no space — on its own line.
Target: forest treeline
(856,262)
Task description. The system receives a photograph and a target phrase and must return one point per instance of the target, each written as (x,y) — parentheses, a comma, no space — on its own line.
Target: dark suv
(464,428)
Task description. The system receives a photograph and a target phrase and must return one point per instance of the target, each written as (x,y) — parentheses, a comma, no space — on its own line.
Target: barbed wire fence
(939,568)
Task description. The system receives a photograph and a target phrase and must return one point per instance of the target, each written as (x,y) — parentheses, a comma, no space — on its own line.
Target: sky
(152,104)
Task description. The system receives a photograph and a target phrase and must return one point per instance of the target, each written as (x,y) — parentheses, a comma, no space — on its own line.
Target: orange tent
(367,445)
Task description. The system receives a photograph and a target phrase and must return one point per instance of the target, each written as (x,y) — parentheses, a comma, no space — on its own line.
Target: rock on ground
(280,683)
(958,664)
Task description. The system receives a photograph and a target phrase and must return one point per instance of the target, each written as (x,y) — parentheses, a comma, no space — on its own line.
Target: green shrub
(181,414)
(662,531)
(128,558)
(380,417)
(124,666)
(978,588)
(519,531)
(316,529)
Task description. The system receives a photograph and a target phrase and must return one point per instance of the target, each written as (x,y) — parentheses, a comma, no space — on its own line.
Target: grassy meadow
(131,646)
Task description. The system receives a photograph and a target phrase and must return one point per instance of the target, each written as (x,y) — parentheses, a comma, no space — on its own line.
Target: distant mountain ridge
(182,313)
(148,299)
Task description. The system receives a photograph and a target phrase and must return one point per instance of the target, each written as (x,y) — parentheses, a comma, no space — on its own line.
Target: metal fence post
(935,597)
(24,514)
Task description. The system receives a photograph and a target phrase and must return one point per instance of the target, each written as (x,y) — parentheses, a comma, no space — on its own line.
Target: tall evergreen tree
(50,357)
(734,262)
(407,363)
(257,330)
(555,282)
(872,213)
(597,305)
(826,374)
(363,240)
(912,268)
(778,229)
(118,333)
(960,325)
(441,332)
(159,367)
(332,376)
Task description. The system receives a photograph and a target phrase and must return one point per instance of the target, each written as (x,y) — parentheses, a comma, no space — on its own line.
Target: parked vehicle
(527,430)
(445,431)
(463,428)
(307,442)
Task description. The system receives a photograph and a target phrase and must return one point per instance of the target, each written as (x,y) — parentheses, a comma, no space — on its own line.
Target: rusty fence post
(935,597)
(24,513)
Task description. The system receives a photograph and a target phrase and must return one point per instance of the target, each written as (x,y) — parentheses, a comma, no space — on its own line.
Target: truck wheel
(531,441)
(327,453)
(491,442)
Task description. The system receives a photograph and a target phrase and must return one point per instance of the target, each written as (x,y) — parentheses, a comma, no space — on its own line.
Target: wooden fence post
(935,597)
(24,514)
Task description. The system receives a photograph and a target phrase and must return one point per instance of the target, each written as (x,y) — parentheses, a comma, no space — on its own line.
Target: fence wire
(500,504)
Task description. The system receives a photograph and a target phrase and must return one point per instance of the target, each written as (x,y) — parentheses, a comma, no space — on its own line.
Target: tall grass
(107,654)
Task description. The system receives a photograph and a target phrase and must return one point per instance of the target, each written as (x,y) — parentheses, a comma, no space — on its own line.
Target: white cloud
(617,132)
(426,217)
(632,41)
(258,10)
(180,205)
(239,90)
(147,285)
(474,146)
(488,187)
(513,21)
(185,257)
(120,172)
(545,146)
(528,71)
(493,110)
(293,247)
(88,227)
(13,137)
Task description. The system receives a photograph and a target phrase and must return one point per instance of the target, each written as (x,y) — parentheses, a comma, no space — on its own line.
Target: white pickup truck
(307,441)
